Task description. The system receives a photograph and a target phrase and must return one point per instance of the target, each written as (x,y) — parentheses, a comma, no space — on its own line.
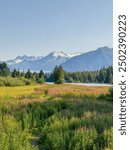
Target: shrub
(108,96)
(26,81)
(108,138)
(1,82)
(9,81)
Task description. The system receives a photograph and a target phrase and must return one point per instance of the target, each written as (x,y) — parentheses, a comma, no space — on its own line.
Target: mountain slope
(24,58)
(46,63)
(93,60)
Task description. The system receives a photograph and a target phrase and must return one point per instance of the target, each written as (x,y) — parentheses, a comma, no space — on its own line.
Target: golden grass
(52,90)
(17,91)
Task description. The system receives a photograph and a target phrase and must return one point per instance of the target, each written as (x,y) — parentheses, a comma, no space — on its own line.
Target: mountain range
(89,61)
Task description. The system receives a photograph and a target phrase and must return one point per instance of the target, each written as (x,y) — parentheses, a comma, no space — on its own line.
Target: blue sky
(37,27)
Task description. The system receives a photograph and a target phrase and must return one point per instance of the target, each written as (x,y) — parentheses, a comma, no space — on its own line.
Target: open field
(55,117)
(52,89)
(17,91)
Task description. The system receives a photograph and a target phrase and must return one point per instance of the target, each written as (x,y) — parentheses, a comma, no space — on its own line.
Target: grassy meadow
(56,117)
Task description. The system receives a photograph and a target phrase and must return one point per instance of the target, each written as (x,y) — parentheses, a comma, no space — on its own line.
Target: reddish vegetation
(75,89)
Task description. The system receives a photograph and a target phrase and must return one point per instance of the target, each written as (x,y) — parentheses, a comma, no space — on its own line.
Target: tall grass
(31,118)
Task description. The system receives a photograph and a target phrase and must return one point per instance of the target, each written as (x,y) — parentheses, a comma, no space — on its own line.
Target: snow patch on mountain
(74,54)
(18,61)
(64,55)
(92,60)
(59,54)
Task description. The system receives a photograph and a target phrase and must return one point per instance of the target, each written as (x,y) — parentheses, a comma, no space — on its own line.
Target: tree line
(105,75)
(34,76)
(58,76)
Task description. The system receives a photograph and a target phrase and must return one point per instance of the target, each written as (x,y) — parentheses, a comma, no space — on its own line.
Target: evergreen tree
(22,74)
(28,74)
(18,74)
(102,75)
(40,77)
(35,76)
(14,73)
(58,75)
(4,70)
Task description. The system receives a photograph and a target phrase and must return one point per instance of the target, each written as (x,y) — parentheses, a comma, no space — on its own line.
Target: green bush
(108,138)
(1,82)
(26,81)
(9,81)
(13,82)
(108,96)
(11,135)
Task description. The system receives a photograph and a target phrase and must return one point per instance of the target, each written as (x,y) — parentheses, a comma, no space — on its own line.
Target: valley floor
(56,117)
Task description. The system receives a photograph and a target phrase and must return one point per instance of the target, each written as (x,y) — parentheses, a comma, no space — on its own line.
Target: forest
(105,75)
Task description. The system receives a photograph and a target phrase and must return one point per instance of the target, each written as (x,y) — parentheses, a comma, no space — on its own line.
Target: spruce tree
(58,75)
(4,70)
(28,74)
(14,73)
(40,77)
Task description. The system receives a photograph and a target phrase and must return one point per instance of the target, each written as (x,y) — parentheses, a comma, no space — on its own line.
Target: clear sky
(38,27)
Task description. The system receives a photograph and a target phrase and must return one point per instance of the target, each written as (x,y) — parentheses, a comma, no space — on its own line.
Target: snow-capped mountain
(90,61)
(59,54)
(20,59)
(46,63)
(64,55)
(93,60)
(74,54)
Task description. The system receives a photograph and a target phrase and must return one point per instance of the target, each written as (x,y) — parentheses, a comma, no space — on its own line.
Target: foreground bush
(12,137)
(108,96)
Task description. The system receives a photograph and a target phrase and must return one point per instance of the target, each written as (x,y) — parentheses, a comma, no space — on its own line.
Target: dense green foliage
(108,96)
(64,122)
(36,77)
(9,81)
(105,75)
(17,78)
(4,70)
(58,75)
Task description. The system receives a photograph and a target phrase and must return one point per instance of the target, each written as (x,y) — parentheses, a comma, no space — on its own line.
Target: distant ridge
(92,60)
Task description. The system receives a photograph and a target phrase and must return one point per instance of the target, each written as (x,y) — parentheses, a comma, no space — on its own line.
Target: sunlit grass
(53,89)
(53,113)
(17,91)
